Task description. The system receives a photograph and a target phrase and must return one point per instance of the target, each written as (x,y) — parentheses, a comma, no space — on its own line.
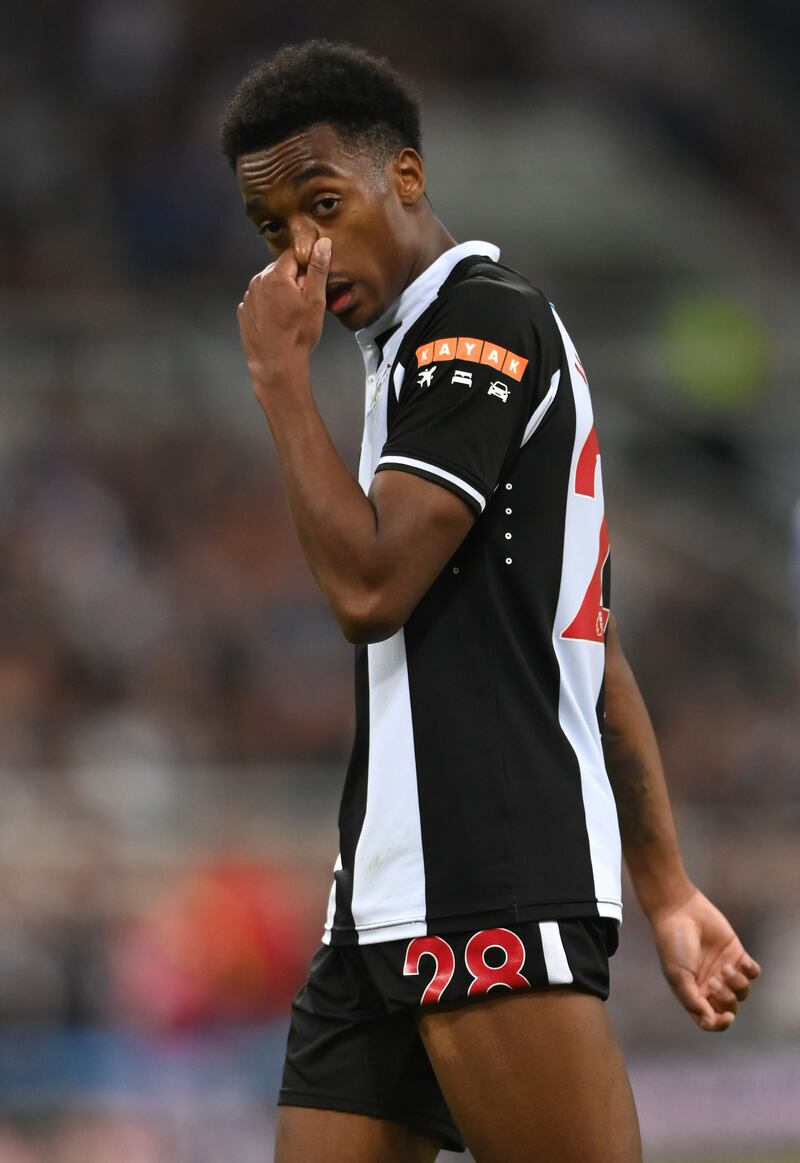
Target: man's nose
(303,236)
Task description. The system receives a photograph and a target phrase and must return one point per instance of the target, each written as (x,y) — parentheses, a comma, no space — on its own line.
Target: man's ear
(409,176)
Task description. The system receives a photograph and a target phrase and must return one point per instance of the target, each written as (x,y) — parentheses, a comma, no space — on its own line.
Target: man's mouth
(339,296)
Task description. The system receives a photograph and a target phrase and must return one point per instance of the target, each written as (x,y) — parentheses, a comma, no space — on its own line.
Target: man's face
(314,185)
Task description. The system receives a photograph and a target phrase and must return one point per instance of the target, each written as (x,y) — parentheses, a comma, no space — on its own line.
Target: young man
(500,732)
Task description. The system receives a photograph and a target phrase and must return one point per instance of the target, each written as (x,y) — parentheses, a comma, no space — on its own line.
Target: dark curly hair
(359,95)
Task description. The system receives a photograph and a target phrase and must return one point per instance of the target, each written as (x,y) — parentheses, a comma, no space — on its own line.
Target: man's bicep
(420,518)
(420,525)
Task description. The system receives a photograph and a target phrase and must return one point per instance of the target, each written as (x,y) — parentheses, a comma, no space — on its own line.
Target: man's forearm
(633,761)
(335,521)
(373,556)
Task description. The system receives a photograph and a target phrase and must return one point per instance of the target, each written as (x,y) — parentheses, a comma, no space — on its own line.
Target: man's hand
(281,316)
(704,961)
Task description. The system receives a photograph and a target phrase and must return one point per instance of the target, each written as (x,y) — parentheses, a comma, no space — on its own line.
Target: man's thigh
(357,1084)
(326,1136)
(534,1076)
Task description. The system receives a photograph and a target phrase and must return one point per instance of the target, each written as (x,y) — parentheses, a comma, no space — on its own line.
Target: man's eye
(326,205)
(270,229)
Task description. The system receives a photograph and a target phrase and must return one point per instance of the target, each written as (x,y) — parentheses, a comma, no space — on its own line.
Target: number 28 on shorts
(436,957)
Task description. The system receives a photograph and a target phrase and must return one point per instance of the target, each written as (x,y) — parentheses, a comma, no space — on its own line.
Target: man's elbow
(365,633)
(369,617)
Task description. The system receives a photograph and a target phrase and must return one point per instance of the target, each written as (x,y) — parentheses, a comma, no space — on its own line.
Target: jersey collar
(417,295)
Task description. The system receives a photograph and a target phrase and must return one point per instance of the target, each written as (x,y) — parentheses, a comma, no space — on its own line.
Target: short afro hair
(319,81)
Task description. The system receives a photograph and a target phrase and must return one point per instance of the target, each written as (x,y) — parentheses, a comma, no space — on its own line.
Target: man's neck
(435,242)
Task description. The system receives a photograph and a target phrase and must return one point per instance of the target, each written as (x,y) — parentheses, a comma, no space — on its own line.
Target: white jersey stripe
(581,663)
(326,938)
(389,863)
(539,414)
(439,472)
(555,955)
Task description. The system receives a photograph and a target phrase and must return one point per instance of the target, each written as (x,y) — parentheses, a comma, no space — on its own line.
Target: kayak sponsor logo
(475,351)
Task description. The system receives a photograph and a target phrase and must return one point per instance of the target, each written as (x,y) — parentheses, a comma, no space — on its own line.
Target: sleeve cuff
(440,476)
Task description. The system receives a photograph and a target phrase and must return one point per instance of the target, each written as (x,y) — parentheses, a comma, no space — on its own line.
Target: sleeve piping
(409,462)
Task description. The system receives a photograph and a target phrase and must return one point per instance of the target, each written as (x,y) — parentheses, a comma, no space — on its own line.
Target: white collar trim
(423,290)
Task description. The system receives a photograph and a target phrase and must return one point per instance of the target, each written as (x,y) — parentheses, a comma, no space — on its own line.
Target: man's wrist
(660,884)
(286,378)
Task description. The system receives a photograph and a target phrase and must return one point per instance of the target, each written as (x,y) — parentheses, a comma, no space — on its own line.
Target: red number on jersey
(484,976)
(444,960)
(591,619)
(586,468)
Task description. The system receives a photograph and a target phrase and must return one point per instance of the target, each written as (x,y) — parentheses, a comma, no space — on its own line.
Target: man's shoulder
(483,301)
(488,292)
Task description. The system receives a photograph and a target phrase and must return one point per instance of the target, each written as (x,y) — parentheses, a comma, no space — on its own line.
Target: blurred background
(175,699)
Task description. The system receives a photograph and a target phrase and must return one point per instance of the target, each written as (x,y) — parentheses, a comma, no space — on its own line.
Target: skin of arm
(373,557)
(702,958)
(633,762)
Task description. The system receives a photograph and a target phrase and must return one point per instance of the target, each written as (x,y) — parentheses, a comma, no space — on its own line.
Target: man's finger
(259,275)
(317,271)
(691,998)
(722,995)
(748,966)
(718,1023)
(699,1007)
(738,982)
(285,265)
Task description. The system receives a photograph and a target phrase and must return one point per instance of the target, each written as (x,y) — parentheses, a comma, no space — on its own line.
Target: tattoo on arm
(627,772)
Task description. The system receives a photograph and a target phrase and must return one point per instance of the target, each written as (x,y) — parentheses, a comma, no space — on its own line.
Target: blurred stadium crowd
(175,701)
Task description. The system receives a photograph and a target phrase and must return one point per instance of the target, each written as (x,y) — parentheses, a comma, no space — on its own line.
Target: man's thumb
(318,263)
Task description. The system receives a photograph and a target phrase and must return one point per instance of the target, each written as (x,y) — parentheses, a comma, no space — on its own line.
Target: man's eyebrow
(315,170)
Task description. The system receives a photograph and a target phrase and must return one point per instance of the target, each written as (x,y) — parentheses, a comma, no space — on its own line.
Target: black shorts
(353,1042)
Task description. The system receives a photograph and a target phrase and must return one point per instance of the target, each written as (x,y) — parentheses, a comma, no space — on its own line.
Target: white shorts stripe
(439,472)
(555,957)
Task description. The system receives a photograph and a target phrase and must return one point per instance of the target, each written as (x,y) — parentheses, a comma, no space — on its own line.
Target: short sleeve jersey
(476,791)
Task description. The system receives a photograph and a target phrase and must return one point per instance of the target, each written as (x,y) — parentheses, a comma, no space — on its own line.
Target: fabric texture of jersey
(353,1042)
(476,793)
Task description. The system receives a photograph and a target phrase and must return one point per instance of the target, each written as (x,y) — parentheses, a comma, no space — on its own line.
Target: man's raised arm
(373,557)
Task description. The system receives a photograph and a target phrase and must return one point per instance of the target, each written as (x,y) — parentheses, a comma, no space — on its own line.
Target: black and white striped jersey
(477,793)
